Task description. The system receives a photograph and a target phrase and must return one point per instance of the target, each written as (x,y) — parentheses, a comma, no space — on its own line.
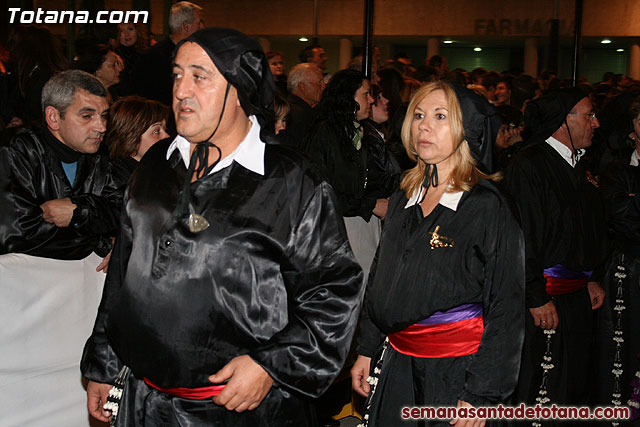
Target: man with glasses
(563,222)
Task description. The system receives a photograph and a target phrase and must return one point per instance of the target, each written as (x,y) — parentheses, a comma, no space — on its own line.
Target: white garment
(565,151)
(47,311)
(249,153)
(364,238)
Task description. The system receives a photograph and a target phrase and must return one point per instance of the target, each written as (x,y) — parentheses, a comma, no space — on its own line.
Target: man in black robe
(57,199)
(562,218)
(232,294)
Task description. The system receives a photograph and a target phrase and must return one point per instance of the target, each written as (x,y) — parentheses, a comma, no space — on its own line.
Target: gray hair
(301,73)
(182,12)
(62,87)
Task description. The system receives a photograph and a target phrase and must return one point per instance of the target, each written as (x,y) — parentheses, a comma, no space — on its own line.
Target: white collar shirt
(249,153)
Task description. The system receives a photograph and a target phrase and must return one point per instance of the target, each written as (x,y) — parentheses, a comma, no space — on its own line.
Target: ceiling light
(447,41)
(477,49)
(303,39)
(605,41)
(619,50)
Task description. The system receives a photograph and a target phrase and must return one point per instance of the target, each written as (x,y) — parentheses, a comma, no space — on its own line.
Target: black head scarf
(244,65)
(481,123)
(546,115)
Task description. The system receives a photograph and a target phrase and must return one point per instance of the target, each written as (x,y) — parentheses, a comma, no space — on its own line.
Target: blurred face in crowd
(197,24)
(153,134)
(503,94)
(109,71)
(380,109)
(276,64)
(319,58)
(127,34)
(582,123)
(198,95)
(281,123)
(84,123)
(431,129)
(364,100)
(313,86)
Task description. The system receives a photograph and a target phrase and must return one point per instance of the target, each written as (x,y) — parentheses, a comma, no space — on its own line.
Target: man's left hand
(248,384)
(58,211)
(596,294)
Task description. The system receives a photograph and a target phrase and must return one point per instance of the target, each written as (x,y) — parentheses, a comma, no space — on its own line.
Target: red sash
(560,286)
(189,393)
(441,340)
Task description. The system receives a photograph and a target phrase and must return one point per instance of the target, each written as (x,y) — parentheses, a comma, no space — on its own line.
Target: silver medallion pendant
(197,223)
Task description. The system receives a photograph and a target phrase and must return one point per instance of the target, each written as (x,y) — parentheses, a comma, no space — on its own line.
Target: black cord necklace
(199,157)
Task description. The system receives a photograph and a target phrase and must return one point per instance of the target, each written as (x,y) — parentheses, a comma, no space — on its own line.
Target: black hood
(546,115)
(481,123)
(243,63)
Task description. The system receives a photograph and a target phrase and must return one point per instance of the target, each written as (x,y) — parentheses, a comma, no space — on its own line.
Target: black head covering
(243,63)
(545,115)
(481,123)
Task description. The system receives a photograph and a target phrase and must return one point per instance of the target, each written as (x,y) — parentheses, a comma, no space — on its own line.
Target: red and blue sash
(452,333)
(561,280)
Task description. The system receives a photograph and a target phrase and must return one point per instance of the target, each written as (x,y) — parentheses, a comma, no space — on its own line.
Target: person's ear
(52,117)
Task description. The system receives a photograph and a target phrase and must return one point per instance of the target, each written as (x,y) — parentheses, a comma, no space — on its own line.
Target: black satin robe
(272,277)
(410,281)
(31,174)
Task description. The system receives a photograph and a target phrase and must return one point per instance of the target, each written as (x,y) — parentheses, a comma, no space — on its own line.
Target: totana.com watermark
(41,16)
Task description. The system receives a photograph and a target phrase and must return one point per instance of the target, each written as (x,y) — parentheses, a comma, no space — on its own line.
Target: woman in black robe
(443,320)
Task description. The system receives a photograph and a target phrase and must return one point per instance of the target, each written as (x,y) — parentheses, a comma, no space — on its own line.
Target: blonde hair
(465,174)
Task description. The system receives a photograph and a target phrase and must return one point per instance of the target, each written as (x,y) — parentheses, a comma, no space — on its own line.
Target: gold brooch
(438,241)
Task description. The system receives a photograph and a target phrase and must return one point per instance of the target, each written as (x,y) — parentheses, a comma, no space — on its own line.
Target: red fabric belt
(443,340)
(560,286)
(189,393)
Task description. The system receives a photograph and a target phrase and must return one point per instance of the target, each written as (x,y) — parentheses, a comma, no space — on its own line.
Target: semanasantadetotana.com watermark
(41,16)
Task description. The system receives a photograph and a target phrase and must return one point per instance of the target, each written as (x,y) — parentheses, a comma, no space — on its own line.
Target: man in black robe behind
(562,219)
(57,199)
(232,293)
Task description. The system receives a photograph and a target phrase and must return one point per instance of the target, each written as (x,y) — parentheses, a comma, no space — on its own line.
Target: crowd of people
(273,241)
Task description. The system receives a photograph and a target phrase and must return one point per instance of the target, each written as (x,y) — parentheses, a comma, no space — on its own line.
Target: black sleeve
(99,362)
(98,213)
(522,183)
(324,287)
(383,174)
(370,338)
(493,372)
